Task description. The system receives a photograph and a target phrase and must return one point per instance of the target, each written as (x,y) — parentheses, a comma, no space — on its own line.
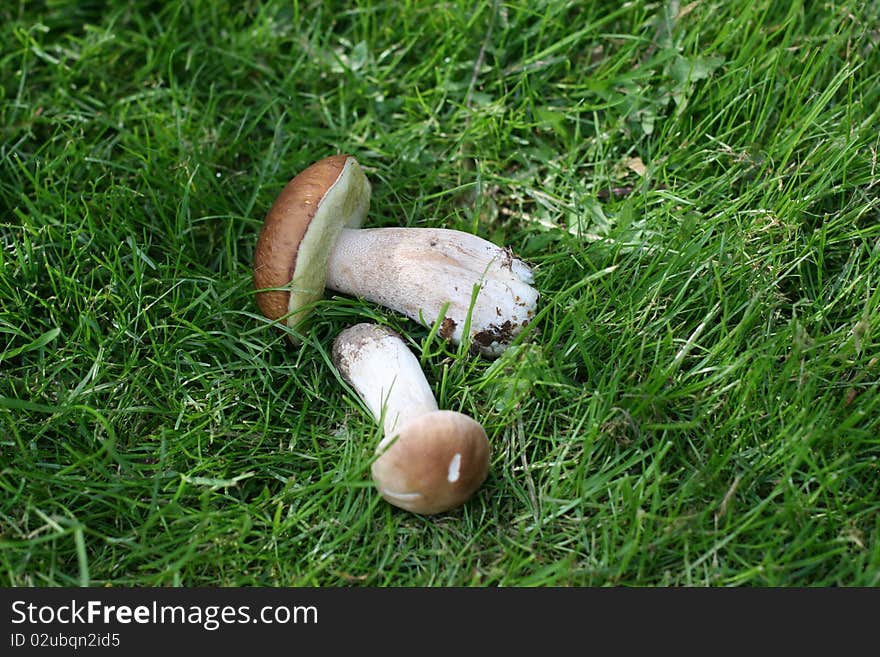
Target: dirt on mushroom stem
(447,328)
(495,333)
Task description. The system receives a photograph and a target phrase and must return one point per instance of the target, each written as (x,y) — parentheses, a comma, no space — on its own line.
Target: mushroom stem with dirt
(429,460)
(312,239)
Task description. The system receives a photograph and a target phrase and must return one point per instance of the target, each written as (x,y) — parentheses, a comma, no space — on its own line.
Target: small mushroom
(430,460)
(312,240)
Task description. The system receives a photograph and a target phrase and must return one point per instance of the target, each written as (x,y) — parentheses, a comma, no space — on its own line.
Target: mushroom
(430,460)
(312,240)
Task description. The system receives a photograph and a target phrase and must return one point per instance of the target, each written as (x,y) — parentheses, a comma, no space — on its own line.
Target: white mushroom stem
(417,271)
(386,375)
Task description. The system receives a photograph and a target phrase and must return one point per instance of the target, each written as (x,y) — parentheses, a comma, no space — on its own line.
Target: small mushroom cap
(301,227)
(434,463)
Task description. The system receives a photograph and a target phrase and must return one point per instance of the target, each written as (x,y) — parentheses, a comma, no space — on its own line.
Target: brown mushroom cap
(434,463)
(301,227)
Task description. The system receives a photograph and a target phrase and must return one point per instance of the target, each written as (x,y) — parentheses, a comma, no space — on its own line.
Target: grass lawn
(696,185)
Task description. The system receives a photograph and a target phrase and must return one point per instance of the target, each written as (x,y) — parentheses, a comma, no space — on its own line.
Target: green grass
(696,184)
